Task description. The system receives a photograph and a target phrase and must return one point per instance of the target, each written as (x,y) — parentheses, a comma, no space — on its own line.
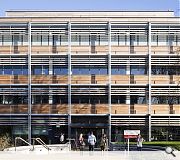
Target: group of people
(92,141)
(103,142)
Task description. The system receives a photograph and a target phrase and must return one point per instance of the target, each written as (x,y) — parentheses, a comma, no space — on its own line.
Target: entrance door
(86,131)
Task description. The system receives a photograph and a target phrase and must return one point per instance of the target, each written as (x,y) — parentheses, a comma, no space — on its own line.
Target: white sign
(131,133)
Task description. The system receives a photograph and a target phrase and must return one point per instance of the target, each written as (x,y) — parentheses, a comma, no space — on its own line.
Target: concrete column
(149,76)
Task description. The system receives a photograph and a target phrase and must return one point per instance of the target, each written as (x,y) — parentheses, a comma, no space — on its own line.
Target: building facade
(74,72)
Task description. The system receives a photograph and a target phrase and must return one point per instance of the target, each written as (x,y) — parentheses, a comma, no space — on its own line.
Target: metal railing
(19,138)
(41,142)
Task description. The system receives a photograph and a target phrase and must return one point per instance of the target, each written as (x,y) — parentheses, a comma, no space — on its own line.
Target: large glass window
(17,70)
(57,99)
(36,39)
(39,70)
(165,100)
(118,99)
(17,40)
(60,70)
(165,70)
(138,70)
(8,70)
(41,99)
(85,40)
(138,100)
(118,70)
(1,70)
(143,39)
(20,99)
(7,40)
(89,70)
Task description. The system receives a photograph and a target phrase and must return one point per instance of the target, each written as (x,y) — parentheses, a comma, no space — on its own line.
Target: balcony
(119,109)
(13,79)
(89,109)
(89,79)
(165,109)
(50,109)
(48,79)
(165,79)
(13,50)
(13,109)
(49,50)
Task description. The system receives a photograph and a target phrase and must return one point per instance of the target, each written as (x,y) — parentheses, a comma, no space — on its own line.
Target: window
(138,100)
(103,39)
(118,99)
(1,70)
(8,70)
(165,70)
(17,70)
(122,39)
(143,40)
(114,39)
(64,40)
(138,70)
(60,70)
(162,40)
(17,40)
(41,99)
(44,40)
(154,40)
(85,40)
(1,40)
(20,99)
(36,40)
(7,40)
(56,40)
(25,70)
(75,40)
(39,70)
(119,70)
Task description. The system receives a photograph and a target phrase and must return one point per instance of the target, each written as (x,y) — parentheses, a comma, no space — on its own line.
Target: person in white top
(62,138)
(139,142)
(91,141)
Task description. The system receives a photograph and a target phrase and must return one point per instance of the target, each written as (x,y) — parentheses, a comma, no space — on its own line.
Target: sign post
(130,134)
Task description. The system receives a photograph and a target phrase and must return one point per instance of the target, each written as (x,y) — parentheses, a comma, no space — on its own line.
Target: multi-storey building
(75,71)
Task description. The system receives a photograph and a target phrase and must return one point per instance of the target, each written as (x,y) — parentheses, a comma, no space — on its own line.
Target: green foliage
(173,144)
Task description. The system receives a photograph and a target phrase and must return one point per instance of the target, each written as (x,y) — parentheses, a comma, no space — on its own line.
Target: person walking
(103,142)
(91,141)
(81,142)
(139,142)
(61,138)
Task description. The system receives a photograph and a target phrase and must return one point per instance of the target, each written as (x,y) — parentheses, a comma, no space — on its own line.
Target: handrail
(19,138)
(41,142)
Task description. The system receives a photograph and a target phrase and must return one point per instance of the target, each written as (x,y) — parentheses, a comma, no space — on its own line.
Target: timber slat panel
(160,79)
(120,79)
(119,109)
(160,109)
(141,109)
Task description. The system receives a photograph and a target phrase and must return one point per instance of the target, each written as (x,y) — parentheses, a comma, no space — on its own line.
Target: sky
(88,5)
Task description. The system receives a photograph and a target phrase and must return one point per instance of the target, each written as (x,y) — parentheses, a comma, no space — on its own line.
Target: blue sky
(88,5)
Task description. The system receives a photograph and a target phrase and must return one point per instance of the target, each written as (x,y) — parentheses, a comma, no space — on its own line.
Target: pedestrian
(61,138)
(91,141)
(103,142)
(139,142)
(81,142)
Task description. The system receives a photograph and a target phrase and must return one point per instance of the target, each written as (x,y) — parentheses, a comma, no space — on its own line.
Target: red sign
(131,133)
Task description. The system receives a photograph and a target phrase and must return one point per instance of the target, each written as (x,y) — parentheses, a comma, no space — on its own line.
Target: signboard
(131,133)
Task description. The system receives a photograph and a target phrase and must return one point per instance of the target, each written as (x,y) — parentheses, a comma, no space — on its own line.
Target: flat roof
(89,13)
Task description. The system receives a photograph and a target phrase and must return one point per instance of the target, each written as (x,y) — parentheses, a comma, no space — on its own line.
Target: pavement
(86,155)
